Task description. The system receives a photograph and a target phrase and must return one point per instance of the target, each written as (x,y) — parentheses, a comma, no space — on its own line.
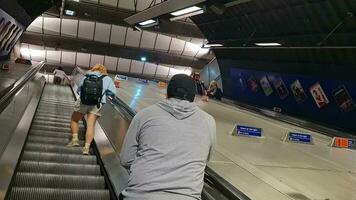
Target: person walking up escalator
(93,89)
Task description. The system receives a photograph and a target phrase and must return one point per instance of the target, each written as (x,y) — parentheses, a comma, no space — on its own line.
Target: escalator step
(59,168)
(54,112)
(57,194)
(51,123)
(53,119)
(55,115)
(57,157)
(51,134)
(51,128)
(59,181)
(48,140)
(38,147)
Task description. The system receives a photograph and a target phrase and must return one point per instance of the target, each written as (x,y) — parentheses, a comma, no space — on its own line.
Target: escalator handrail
(19,84)
(220,183)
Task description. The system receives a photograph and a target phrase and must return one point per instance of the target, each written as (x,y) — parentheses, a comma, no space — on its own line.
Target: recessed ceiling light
(143,59)
(270,44)
(69,12)
(147,22)
(186,11)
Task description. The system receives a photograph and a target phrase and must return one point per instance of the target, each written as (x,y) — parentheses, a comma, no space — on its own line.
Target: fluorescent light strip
(187,15)
(144,23)
(186,11)
(69,12)
(272,44)
(213,45)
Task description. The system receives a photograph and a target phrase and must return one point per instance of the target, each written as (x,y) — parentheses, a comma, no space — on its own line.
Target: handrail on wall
(19,84)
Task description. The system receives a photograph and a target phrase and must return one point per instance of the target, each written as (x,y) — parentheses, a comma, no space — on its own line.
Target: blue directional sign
(300,137)
(352,143)
(248,131)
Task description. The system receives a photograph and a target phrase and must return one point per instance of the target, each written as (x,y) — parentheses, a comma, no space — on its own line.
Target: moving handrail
(19,84)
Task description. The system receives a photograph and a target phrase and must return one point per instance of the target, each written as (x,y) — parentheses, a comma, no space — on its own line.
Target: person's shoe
(85,150)
(73,143)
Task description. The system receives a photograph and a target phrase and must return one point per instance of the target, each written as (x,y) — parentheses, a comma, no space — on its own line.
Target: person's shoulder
(207,116)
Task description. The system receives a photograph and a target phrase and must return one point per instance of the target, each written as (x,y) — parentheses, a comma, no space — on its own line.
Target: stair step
(53,115)
(54,119)
(52,123)
(59,157)
(59,168)
(50,134)
(51,128)
(23,179)
(49,148)
(48,140)
(18,193)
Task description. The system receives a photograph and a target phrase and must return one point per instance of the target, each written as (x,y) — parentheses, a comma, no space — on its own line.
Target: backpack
(91,91)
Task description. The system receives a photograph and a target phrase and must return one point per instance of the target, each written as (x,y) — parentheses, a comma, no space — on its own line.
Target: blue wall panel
(331,115)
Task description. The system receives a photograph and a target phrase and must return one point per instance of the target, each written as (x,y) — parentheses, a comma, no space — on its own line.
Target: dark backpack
(91,91)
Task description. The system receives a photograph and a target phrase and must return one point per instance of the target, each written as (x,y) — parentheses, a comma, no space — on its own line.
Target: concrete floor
(266,168)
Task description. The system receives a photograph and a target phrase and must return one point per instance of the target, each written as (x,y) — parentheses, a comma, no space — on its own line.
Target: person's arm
(130,145)
(80,85)
(111,90)
(212,127)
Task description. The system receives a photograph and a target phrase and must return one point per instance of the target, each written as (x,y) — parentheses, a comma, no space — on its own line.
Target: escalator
(48,169)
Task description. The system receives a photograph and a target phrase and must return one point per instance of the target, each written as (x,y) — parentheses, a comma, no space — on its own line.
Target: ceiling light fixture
(271,44)
(69,12)
(147,22)
(187,15)
(186,11)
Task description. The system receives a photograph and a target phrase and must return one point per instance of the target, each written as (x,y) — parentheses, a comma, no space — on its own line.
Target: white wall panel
(162,42)
(191,49)
(86,30)
(110,63)
(143,4)
(162,70)
(118,34)
(36,47)
(53,56)
(150,68)
(148,40)
(177,46)
(36,26)
(127,4)
(38,55)
(136,67)
(69,27)
(68,58)
(83,59)
(96,59)
(124,65)
(51,25)
(133,38)
(102,32)
(112,3)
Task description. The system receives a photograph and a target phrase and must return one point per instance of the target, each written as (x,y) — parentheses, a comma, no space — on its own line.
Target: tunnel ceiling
(321,31)
(97,28)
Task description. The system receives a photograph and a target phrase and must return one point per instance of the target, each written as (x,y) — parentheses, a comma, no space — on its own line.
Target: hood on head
(180,109)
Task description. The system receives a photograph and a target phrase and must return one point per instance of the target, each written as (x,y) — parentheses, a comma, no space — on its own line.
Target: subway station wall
(320,99)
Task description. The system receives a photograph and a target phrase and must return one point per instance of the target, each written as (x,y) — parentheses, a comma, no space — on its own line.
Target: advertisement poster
(319,95)
(267,89)
(343,99)
(281,88)
(298,91)
(253,84)
(242,81)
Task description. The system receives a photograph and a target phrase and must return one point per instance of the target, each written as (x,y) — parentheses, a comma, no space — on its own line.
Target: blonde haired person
(214,91)
(97,72)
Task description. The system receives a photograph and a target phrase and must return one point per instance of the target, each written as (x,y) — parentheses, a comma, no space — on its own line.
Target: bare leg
(74,124)
(91,120)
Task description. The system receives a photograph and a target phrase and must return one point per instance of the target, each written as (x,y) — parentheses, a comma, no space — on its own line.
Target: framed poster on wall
(281,88)
(266,86)
(319,95)
(252,83)
(343,99)
(298,91)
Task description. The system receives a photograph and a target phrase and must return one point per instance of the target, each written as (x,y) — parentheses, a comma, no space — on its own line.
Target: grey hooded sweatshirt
(166,151)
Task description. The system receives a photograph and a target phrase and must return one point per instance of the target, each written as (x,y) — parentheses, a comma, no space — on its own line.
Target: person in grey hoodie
(167,146)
